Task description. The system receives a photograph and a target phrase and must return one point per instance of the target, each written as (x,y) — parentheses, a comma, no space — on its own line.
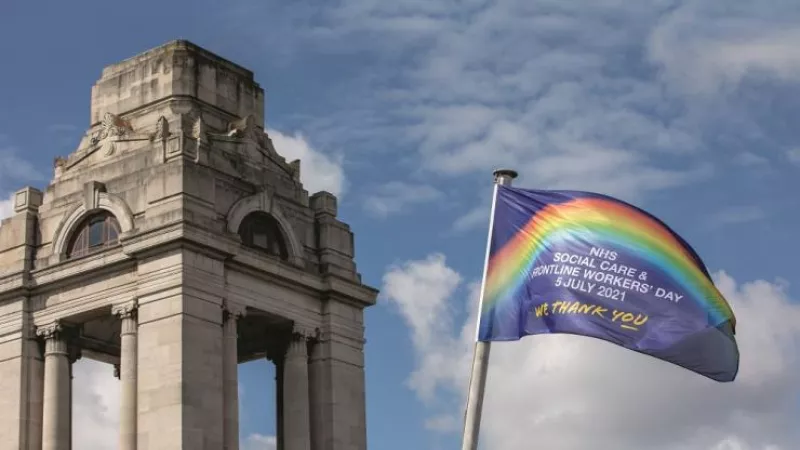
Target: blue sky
(687,108)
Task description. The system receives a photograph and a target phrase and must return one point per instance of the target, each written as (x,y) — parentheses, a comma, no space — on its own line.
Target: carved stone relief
(113,127)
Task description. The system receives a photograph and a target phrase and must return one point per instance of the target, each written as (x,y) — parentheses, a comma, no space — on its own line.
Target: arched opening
(93,339)
(261,344)
(97,232)
(95,405)
(258,426)
(261,231)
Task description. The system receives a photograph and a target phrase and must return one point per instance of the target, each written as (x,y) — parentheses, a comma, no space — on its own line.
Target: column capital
(231,313)
(125,310)
(57,329)
(299,340)
(56,336)
(56,395)
(296,417)
(231,310)
(51,330)
(304,332)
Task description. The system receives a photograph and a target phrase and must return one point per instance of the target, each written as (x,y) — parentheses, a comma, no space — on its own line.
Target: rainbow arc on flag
(588,264)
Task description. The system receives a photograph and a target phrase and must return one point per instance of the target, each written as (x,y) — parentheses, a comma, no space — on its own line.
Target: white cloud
(478,215)
(735,215)
(529,87)
(612,171)
(395,197)
(794,155)
(749,159)
(260,442)
(96,404)
(421,290)
(96,400)
(14,169)
(6,208)
(592,95)
(474,218)
(509,82)
(704,49)
(442,423)
(565,392)
(318,171)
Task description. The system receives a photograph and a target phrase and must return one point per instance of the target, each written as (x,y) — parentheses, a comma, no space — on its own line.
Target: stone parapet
(177,69)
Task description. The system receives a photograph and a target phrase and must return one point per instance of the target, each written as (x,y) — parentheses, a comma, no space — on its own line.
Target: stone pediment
(244,138)
(104,139)
(242,142)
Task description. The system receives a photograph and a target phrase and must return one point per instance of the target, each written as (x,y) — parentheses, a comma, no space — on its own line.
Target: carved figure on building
(247,128)
(200,129)
(112,127)
(162,129)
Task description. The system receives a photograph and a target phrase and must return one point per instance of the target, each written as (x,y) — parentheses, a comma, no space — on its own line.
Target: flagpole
(480,359)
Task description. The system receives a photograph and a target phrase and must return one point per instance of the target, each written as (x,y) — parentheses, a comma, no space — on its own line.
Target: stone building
(174,244)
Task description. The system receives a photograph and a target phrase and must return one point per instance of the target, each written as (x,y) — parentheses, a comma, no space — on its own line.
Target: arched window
(261,231)
(96,233)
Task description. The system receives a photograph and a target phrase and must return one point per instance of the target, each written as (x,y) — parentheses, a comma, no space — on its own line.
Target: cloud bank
(624,98)
(569,393)
(318,171)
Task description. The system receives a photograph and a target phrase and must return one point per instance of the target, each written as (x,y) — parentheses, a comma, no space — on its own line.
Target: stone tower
(173,244)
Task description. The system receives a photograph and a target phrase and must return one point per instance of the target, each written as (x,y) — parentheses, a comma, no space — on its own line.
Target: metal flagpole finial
(504,176)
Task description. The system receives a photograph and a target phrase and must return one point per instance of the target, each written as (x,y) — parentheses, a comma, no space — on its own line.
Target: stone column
(127,375)
(36,392)
(316,387)
(336,385)
(73,354)
(296,406)
(56,408)
(71,405)
(279,402)
(230,374)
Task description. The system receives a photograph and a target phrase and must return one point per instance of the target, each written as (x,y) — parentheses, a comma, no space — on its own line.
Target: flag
(570,262)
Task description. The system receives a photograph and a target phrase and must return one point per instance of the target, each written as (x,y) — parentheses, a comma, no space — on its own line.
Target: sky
(687,108)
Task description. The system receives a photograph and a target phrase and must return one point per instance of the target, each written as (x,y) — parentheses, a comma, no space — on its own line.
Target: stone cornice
(180,45)
(13,285)
(182,235)
(341,289)
(53,276)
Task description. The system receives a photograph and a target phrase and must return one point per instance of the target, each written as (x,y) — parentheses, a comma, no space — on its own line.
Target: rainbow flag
(588,264)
